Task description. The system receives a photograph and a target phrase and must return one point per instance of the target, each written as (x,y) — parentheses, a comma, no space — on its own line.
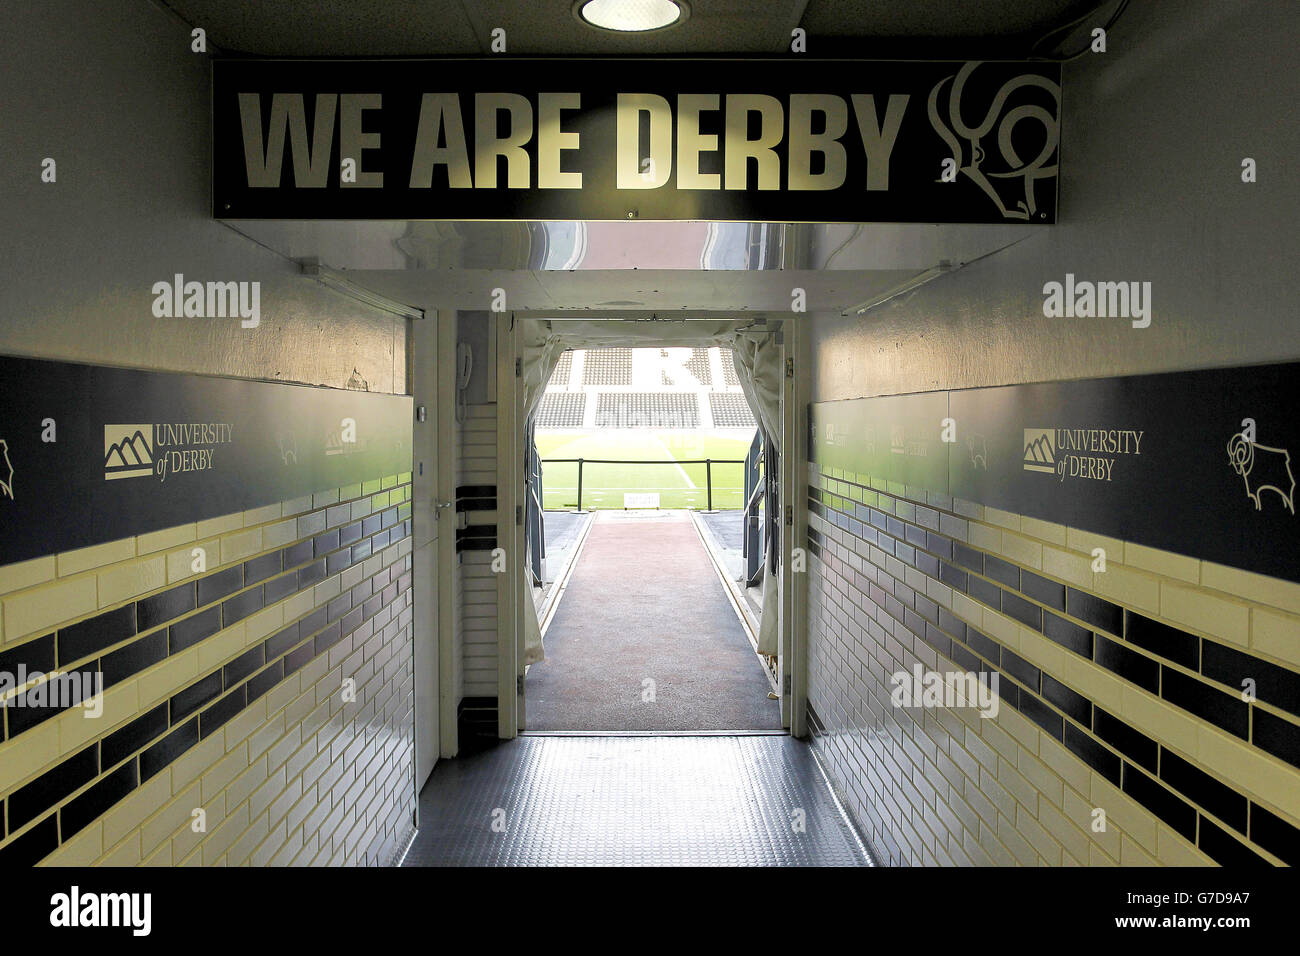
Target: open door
(528,350)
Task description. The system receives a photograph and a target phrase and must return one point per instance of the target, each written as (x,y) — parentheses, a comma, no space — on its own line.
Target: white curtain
(758,367)
(757,360)
(539,353)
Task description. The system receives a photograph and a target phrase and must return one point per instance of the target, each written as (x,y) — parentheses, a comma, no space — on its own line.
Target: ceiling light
(631,16)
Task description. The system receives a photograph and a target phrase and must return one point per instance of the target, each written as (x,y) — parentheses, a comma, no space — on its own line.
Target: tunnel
(813,433)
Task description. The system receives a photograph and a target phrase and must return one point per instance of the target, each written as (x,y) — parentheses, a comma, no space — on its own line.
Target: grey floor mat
(645,638)
(634,801)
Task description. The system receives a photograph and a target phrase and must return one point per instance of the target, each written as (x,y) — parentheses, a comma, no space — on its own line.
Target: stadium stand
(644,388)
(647,410)
(728,370)
(563,369)
(697,365)
(607,367)
(562,410)
(730,411)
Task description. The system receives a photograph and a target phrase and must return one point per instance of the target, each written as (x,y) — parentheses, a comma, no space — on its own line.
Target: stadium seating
(645,388)
(728,370)
(607,367)
(563,369)
(562,410)
(697,365)
(647,410)
(730,411)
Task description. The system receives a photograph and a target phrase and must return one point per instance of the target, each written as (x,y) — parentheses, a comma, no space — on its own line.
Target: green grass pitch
(678,485)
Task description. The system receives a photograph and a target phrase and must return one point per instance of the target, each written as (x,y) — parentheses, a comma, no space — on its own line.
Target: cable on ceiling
(1114,17)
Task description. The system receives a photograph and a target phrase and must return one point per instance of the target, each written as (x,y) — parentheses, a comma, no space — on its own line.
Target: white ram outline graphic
(6,472)
(1241,452)
(956,129)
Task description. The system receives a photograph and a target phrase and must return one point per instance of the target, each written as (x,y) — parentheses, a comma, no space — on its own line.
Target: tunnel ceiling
(545,266)
(883,28)
(666,291)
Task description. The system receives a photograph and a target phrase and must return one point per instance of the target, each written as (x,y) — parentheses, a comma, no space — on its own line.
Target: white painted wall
(111,92)
(1153,134)
(477,582)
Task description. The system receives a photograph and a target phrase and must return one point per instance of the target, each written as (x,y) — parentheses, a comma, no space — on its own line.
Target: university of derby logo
(1040,450)
(164,450)
(1262,468)
(128,451)
(970,156)
(6,472)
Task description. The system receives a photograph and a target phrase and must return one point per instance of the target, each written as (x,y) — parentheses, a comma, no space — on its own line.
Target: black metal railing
(755,499)
(708,464)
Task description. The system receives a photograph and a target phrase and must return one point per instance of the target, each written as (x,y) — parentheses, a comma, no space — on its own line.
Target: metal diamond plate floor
(634,801)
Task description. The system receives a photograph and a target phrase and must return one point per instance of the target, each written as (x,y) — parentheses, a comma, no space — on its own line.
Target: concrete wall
(112,93)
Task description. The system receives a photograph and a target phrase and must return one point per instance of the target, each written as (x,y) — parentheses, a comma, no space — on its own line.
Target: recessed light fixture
(631,16)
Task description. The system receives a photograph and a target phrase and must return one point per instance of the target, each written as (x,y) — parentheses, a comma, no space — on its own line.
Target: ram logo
(979,451)
(6,472)
(1262,469)
(967,142)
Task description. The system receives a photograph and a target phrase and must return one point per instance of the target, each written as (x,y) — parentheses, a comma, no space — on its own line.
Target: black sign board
(91,454)
(790,140)
(1198,463)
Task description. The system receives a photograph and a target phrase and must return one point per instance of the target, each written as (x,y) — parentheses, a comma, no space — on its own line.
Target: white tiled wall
(302,776)
(945,786)
(478,618)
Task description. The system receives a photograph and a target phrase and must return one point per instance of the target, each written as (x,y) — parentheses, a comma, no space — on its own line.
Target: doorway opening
(646,523)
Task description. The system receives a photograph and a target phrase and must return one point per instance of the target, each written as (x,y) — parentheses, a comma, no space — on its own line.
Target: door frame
(510,529)
(511,595)
(444,507)
(793,615)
